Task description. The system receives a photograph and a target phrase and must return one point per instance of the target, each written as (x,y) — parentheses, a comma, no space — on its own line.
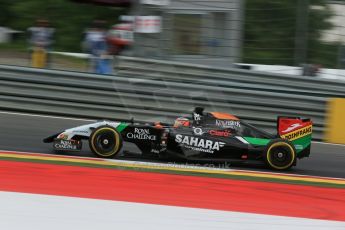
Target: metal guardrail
(147,98)
(177,71)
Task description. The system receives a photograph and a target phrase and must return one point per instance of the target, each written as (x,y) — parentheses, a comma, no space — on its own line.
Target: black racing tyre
(280,154)
(105,142)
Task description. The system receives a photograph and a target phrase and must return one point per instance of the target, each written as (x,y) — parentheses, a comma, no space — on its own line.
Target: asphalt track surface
(24,132)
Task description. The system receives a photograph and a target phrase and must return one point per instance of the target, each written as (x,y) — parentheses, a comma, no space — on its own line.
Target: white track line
(40,212)
(45,116)
(326,143)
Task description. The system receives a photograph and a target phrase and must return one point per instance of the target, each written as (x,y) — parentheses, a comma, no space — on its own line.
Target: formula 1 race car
(211,136)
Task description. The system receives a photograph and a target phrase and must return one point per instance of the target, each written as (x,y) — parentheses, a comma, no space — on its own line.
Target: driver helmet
(181,121)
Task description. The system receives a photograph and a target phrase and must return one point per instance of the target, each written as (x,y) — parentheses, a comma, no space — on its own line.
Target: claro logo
(219,133)
(199,144)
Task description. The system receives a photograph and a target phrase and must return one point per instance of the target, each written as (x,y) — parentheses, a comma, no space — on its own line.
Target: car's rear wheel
(105,142)
(280,155)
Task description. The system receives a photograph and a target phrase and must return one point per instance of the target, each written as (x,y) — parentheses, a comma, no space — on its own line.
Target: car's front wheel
(105,142)
(280,154)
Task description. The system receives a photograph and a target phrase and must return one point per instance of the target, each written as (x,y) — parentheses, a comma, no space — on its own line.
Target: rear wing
(298,131)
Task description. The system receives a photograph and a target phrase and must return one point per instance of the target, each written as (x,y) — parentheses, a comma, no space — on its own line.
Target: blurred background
(294,37)
(255,58)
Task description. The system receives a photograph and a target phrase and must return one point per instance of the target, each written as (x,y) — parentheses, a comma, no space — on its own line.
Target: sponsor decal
(291,127)
(199,144)
(298,133)
(141,134)
(81,131)
(67,144)
(228,123)
(220,133)
(158,151)
(198,131)
(197,117)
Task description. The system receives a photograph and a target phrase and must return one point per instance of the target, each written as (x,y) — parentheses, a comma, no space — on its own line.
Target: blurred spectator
(95,43)
(120,37)
(40,40)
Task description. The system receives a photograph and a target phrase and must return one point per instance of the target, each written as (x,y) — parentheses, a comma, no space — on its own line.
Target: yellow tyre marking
(117,142)
(280,144)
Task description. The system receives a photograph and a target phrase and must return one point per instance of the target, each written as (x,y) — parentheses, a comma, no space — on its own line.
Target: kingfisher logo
(228,123)
(199,144)
(298,133)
